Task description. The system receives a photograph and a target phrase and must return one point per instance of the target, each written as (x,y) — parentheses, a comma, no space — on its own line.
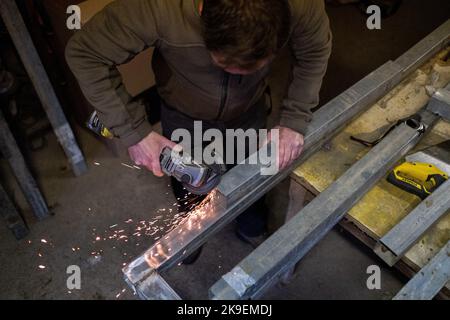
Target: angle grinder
(197,178)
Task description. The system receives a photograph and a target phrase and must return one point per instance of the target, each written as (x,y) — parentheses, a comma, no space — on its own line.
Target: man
(211,61)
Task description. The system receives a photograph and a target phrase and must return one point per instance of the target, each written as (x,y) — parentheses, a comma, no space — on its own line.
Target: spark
(43,241)
(127,165)
(120,293)
(96,163)
(41,266)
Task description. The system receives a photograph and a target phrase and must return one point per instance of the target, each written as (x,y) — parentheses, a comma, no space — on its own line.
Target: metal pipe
(30,58)
(13,219)
(11,152)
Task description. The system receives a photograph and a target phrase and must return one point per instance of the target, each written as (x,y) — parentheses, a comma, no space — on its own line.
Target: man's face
(236,69)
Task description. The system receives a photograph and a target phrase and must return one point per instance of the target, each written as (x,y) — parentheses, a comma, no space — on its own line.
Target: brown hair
(245,31)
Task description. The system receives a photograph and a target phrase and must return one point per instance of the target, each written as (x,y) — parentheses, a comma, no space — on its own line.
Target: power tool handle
(420,192)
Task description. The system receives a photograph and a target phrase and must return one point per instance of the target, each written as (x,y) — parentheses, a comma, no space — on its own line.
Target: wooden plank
(406,269)
(430,280)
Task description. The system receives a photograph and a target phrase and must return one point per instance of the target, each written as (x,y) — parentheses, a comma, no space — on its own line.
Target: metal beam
(327,121)
(13,219)
(32,63)
(291,242)
(437,155)
(440,102)
(12,154)
(393,246)
(155,287)
(430,280)
(423,50)
(244,184)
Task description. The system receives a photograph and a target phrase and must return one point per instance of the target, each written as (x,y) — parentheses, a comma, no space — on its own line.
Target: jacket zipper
(223,98)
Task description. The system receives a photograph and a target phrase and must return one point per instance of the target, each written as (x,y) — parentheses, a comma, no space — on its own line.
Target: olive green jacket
(186,76)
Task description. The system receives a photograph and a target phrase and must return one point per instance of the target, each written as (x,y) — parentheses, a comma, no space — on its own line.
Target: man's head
(244,35)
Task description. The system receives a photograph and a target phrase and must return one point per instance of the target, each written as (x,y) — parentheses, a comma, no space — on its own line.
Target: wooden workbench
(385,205)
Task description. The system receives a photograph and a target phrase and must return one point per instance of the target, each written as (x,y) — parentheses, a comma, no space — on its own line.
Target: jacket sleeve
(113,37)
(310,43)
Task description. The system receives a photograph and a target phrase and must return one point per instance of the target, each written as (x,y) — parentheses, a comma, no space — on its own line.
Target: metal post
(30,58)
(11,152)
(403,236)
(12,217)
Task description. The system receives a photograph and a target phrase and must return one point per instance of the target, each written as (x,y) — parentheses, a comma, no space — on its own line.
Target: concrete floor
(99,203)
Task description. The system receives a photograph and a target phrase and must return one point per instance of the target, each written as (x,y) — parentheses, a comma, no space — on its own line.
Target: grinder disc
(204,189)
(213,180)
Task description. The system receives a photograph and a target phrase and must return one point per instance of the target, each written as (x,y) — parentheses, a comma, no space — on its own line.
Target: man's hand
(290,146)
(146,153)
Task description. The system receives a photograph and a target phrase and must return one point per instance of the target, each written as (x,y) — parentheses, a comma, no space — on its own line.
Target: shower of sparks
(154,228)
(194,220)
(158,229)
